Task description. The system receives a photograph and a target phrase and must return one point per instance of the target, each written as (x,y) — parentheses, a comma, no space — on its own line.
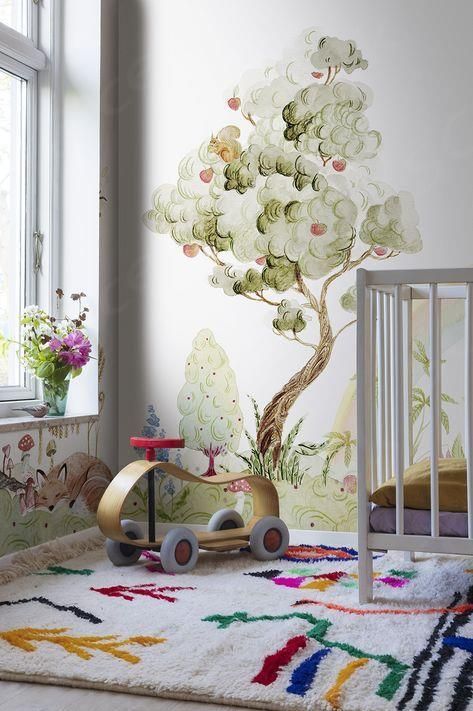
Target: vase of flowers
(54,350)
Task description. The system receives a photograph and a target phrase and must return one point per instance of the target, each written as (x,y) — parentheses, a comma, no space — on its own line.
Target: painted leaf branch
(295,203)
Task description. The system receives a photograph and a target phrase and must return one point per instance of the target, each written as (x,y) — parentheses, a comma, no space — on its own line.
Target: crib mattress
(417,522)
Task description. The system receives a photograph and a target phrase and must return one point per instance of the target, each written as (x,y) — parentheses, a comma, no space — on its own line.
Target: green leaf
(448,398)
(445,421)
(163,516)
(421,356)
(292,435)
(457,449)
(256,411)
(4,345)
(308,449)
(347,458)
(76,372)
(45,371)
(61,373)
(340,436)
(181,498)
(247,461)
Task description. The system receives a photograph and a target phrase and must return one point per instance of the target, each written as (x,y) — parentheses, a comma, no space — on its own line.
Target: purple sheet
(417,522)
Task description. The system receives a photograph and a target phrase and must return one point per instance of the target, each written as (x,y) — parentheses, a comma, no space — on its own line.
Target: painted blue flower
(169,487)
(148,431)
(163,455)
(152,419)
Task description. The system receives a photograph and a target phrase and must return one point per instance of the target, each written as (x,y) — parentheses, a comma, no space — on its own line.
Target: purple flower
(55,344)
(74,349)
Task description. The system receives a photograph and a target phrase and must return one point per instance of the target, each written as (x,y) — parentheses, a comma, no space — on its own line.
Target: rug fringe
(16,565)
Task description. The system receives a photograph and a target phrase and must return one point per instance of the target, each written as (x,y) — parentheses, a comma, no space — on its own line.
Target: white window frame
(20,57)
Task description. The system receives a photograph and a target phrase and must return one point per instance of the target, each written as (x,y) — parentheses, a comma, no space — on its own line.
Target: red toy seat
(150,444)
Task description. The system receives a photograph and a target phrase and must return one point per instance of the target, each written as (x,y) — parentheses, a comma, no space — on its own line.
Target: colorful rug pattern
(282,635)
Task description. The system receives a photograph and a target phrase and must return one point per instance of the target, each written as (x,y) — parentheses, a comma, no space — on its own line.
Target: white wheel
(122,553)
(179,550)
(225,519)
(269,538)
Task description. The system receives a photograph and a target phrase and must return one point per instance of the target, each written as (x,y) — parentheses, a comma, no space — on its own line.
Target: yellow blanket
(452,486)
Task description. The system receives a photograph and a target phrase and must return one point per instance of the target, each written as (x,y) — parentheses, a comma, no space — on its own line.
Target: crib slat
(407,357)
(381,417)
(372,377)
(387,384)
(363,402)
(398,410)
(469,401)
(434,407)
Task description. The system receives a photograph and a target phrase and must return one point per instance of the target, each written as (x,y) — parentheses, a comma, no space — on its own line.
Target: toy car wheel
(179,550)
(269,538)
(225,519)
(122,553)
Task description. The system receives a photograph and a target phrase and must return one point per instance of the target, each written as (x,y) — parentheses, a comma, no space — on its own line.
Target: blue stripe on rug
(465,643)
(303,676)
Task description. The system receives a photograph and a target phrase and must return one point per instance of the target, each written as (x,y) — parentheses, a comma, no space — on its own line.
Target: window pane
(13,14)
(12,211)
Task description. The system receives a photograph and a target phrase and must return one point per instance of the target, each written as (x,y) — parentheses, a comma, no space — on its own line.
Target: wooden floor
(38,697)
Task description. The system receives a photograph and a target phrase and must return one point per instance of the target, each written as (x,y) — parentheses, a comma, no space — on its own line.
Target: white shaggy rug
(282,635)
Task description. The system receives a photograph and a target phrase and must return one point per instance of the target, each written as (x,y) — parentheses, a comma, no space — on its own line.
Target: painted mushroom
(240,487)
(51,450)
(24,445)
(6,453)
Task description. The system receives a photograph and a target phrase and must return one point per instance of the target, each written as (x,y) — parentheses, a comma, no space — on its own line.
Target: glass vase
(55,394)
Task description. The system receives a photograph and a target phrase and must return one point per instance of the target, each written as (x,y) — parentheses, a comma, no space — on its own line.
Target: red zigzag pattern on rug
(146,590)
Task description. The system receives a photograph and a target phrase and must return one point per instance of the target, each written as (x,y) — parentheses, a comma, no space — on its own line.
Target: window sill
(26,422)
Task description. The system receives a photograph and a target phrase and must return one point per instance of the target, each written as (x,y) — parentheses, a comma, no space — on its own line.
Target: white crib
(384,403)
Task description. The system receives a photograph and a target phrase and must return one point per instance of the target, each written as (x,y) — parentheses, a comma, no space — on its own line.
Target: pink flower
(55,344)
(74,349)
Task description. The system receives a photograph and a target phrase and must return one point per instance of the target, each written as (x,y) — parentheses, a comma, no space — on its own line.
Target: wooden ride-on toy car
(266,534)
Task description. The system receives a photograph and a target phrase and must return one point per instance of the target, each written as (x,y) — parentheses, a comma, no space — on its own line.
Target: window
(20,62)
(13,14)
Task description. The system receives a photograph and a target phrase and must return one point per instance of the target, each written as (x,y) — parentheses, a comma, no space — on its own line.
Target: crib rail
(384,395)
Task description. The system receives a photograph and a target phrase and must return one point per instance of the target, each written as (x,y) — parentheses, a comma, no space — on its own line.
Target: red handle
(150,445)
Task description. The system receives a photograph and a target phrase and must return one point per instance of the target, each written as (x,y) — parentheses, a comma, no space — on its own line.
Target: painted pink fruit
(350,483)
(261,260)
(380,251)
(318,229)
(206,175)
(317,75)
(191,250)
(234,103)
(339,165)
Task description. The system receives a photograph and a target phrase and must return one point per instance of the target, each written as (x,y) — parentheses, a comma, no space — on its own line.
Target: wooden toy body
(265,503)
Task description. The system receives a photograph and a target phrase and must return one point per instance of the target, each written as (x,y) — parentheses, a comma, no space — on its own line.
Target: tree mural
(286,212)
(208,402)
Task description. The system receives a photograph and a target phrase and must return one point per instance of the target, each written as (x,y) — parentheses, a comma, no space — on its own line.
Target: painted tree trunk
(211,467)
(275,413)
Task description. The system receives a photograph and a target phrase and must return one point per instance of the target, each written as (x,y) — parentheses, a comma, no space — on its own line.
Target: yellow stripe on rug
(334,693)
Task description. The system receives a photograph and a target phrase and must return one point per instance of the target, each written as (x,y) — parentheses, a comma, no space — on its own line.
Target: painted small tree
(208,402)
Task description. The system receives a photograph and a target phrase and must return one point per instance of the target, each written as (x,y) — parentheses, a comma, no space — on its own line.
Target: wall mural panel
(51,481)
(282,202)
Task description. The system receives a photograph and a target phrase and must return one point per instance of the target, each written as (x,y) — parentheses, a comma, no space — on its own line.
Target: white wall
(179,61)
